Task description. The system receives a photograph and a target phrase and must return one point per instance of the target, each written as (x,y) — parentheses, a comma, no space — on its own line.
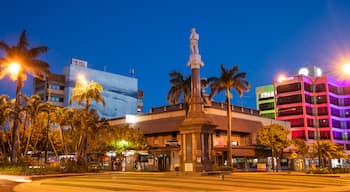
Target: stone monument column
(197,129)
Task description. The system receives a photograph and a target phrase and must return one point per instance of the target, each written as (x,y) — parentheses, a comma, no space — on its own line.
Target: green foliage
(327,150)
(124,137)
(302,147)
(274,136)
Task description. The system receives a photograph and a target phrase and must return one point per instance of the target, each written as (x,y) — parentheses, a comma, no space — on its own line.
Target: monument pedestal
(197,143)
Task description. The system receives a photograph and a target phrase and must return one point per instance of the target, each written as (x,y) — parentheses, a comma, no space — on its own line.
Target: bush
(224,168)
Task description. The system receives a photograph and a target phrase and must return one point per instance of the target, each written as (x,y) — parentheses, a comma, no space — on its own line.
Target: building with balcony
(51,90)
(265,101)
(316,105)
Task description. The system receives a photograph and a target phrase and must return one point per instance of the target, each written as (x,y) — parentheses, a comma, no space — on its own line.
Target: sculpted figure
(194,37)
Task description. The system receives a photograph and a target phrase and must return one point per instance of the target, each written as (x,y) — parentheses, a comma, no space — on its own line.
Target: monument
(197,129)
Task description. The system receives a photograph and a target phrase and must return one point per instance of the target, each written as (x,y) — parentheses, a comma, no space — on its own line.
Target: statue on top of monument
(194,37)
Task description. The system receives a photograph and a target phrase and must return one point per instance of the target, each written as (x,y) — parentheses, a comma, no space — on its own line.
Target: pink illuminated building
(314,103)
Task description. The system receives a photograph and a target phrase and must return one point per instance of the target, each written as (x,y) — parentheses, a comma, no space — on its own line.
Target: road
(6,185)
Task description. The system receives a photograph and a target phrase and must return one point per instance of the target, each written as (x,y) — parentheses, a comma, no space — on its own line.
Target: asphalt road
(7,186)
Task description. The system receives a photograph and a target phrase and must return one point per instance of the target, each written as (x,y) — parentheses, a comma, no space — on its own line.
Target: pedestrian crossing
(170,182)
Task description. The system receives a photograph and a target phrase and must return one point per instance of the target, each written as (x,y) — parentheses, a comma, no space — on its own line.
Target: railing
(215,105)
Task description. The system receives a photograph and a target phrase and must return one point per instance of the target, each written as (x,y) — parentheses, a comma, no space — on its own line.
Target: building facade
(51,90)
(119,92)
(161,127)
(265,101)
(316,105)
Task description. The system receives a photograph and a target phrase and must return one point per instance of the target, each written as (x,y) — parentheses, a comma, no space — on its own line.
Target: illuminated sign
(266,94)
(130,119)
(79,62)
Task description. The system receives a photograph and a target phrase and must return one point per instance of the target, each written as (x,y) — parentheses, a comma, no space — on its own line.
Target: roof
(238,125)
(171,124)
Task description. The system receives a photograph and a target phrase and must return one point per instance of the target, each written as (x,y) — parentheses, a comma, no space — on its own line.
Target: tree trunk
(15,129)
(229,128)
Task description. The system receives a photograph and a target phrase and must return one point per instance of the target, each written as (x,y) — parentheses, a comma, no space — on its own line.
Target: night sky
(264,38)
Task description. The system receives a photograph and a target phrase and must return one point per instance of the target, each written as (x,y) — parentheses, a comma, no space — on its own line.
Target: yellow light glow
(346,68)
(281,78)
(13,70)
(81,78)
(14,67)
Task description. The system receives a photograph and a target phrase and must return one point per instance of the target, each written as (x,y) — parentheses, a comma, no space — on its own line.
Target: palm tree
(230,79)
(34,107)
(5,110)
(328,151)
(181,86)
(27,62)
(85,91)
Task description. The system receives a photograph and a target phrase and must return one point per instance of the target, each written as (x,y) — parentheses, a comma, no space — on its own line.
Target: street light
(13,70)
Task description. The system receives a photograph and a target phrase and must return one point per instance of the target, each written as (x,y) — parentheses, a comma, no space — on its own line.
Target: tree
(328,151)
(27,62)
(276,137)
(85,91)
(5,110)
(230,79)
(302,148)
(181,87)
(33,108)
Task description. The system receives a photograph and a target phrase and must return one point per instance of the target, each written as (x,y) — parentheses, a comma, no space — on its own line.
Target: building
(314,104)
(265,101)
(51,90)
(121,93)
(161,127)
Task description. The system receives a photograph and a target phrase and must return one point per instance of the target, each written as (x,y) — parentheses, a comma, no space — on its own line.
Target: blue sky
(263,38)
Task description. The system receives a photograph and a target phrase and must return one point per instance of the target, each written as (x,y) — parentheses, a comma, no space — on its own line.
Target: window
(335,112)
(298,134)
(311,134)
(266,106)
(346,101)
(309,99)
(322,110)
(323,123)
(290,111)
(322,99)
(289,99)
(297,122)
(307,87)
(336,123)
(289,88)
(346,90)
(310,122)
(320,88)
(333,100)
(333,89)
(324,135)
(337,135)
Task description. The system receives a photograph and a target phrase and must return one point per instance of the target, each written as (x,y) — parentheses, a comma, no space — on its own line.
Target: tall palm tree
(5,110)
(85,91)
(181,86)
(230,79)
(328,151)
(26,56)
(34,107)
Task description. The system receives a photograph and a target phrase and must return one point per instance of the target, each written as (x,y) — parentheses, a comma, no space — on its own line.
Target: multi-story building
(120,92)
(51,89)
(265,101)
(315,105)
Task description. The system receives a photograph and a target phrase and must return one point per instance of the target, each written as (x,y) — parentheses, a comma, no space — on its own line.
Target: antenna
(132,72)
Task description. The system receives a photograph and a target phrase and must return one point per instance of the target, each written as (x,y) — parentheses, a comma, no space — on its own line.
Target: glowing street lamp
(13,69)
(281,78)
(346,68)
